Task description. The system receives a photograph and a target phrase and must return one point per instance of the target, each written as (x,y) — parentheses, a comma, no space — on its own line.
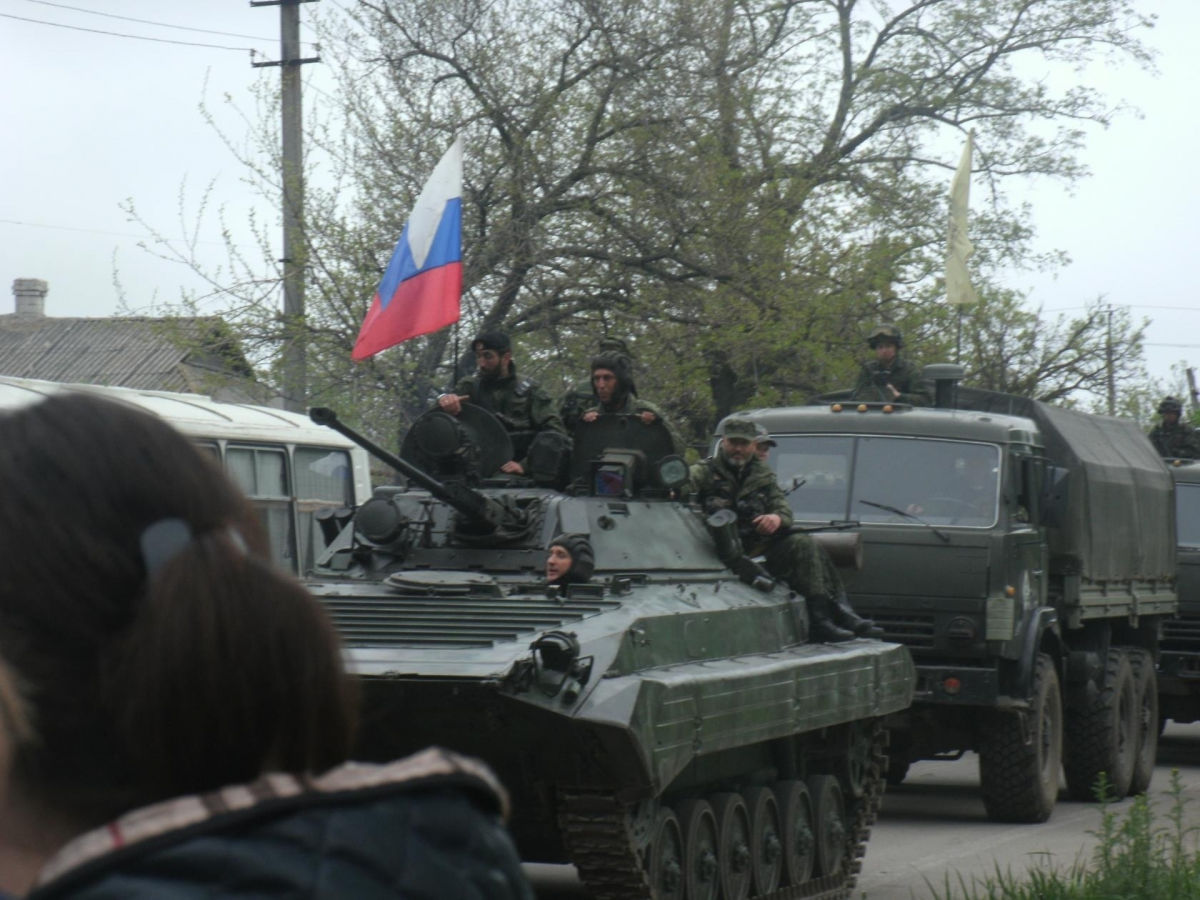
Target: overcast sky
(91,119)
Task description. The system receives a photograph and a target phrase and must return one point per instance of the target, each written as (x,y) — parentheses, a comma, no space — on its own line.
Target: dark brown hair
(141,685)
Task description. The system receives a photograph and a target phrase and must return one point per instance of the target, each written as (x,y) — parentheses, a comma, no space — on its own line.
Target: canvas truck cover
(1120,518)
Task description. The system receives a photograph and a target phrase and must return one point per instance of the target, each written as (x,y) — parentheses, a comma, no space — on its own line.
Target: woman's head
(569,559)
(157,650)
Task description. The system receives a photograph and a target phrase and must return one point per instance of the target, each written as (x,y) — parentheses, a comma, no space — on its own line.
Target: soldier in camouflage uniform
(580,397)
(523,407)
(1172,438)
(613,392)
(735,479)
(888,378)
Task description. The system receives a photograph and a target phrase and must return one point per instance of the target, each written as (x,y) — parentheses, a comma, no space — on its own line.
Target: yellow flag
(958,247)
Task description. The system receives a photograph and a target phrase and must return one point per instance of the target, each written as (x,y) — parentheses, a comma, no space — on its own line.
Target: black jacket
(428,826)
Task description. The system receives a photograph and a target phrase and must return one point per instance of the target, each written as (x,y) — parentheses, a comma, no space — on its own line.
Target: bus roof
(193,414)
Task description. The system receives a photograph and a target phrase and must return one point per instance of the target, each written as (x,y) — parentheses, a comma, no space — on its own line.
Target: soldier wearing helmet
(579,397)
(613,392)
(1173,438)
(887,377)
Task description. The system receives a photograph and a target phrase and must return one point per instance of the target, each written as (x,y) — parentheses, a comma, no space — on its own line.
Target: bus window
(323,479)
(262,473)
(210,450)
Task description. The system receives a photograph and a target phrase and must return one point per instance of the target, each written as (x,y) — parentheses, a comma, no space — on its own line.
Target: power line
(96,12)
(142,237)
(136,37)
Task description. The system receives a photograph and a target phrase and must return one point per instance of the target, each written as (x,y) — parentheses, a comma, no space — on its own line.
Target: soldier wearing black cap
(1172,438)
(523,407)
(888,378)
(735,479)
(613,392)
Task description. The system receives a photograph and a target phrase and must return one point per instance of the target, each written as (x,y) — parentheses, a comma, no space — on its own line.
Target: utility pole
(295,365)
(1108,359)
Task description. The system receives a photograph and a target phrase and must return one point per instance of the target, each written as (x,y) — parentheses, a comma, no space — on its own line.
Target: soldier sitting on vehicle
(887,378)
(735,479)
(520,404)
(615,393)
(580,397)
(1172,438)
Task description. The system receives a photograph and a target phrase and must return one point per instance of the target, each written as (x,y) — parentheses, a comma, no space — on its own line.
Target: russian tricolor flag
(422,286)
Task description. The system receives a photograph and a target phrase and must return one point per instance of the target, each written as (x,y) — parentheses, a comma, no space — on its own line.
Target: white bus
(289,467)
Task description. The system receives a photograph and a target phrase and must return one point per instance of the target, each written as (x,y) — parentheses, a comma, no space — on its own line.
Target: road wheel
(1018,772)
(666,857)
(799,838)
(733,845)
(1102,735)
(829,812)
(766,840)
(699,850)
(1146,693)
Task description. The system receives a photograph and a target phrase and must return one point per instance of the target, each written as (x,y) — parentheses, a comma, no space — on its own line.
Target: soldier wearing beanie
(519,403)
(614,393)
(1174,439)
(736,479)
(887,377)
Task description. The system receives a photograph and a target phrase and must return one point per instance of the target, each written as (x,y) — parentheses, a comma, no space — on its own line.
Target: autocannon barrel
(466,501)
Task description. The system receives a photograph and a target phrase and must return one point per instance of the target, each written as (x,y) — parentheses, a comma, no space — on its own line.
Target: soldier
(569,559)
(887,377)
(1172,438)
(580,396)
(763,443)
(613,392)
(523,407)
(735,479)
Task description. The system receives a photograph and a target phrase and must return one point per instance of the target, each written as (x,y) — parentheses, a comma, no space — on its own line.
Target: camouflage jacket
(1178,441)
(633,405)
(519,403)
(750,491)
(902,375)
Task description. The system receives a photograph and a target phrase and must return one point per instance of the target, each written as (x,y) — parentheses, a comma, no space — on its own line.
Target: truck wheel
(1146,691)
(1102,735)
(1019,773)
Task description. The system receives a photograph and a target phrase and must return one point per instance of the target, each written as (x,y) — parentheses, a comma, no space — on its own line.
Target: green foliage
(739,188)
(1144,853)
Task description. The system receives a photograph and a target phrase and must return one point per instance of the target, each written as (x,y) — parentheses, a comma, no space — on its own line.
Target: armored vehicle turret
(663,725)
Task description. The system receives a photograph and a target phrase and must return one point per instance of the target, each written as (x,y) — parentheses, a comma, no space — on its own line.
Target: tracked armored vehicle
(664,726)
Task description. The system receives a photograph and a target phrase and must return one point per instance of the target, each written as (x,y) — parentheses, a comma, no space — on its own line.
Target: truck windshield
(840,476)
(1187,515)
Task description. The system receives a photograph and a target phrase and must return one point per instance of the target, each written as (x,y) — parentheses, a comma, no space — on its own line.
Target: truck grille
(1181,634)
(913,631)
(453,621)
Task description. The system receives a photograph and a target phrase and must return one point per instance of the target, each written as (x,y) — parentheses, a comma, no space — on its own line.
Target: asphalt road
(932,829)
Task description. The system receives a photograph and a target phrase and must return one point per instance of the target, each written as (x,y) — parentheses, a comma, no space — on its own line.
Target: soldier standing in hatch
(580,397)
(523,407)
(736,479)
(613,392)
(888,378)
(1173,438)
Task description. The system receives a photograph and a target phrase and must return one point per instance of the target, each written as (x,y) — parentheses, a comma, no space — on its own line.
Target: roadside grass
(1143,853)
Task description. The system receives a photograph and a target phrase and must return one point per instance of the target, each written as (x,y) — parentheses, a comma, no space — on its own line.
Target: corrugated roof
(173,354)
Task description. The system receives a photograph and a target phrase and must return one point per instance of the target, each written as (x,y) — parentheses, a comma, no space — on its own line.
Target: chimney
(30,297)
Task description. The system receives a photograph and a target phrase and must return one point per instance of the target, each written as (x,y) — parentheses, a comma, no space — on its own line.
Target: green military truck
(1179,663)
(1025,555)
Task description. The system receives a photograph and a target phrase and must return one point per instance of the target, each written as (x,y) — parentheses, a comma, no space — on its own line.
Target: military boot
(822,626)
(845,616)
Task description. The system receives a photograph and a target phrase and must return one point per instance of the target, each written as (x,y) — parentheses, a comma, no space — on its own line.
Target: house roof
(174,354)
